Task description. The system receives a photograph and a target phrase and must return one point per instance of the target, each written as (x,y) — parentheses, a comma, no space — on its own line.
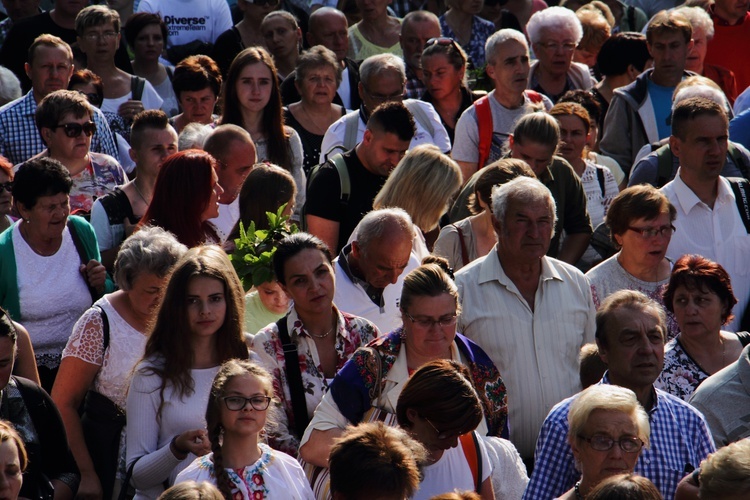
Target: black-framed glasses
(652,232)
(237,403)
(95,37)
(75,129)
(8,186)
(441,40)
(427,323)
(628,444)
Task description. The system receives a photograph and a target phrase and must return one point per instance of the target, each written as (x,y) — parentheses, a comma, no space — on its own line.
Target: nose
(219,189)
(393,275)
(615,452)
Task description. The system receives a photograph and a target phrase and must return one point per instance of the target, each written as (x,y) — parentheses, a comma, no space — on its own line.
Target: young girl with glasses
(239,464)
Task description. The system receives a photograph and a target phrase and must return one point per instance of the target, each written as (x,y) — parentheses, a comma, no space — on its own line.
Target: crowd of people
(317,249)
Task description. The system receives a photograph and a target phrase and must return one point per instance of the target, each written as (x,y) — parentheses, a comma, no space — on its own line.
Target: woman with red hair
(186,196)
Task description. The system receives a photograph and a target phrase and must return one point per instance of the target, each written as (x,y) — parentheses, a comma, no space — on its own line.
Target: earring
(403,335)
(27,221)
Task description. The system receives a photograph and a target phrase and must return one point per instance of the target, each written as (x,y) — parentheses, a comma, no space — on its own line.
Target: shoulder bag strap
(82,256)
(741,189)
(744,338)
(473,455)
(464,251)
(105,328)
(485,129)
(293,378)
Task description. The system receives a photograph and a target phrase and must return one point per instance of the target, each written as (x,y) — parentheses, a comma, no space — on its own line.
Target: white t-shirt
(189,20)
(451,473)
(150,99)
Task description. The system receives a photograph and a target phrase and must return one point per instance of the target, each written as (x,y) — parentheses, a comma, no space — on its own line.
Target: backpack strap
(665,162)
(105,328)
(419,114)
(741,189)
(294,378)
(339,162)
(473,454)
(137,84)
(744,338)
(600,178)
(351,126)
(82,256)
(485,129)
(464,251)
(533,96)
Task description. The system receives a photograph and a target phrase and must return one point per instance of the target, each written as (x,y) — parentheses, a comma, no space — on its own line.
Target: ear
(603,352)
(412,415)
(356,249)
(27,69)
(575,449)
(21,209)
(496,225)
(367,137)
(490,70)
(675,144)
(361,90)
(133,155)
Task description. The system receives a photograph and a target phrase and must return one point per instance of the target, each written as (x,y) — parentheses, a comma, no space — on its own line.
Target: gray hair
(376,223)
(193,136)
(554,18)
(500,37)
(316,57)
(10,87)
(710,93)
(699,19)
(378,64)
(150,250)
(524,190)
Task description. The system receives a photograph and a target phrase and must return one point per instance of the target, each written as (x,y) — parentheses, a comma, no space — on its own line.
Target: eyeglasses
(427,323)
(95,37)
(92,98)
(396,96)
(75,129)
(441,435)
(554,46)
(8,186)
(652,232)
(628,444)
(237,403)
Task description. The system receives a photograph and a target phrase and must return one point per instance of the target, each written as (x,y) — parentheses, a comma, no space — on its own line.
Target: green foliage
(254,249)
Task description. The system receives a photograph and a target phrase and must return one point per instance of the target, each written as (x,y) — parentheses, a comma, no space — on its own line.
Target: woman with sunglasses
(244,34)
(64,120)
(461,22)
(240,464)
(607,430)
(444,76)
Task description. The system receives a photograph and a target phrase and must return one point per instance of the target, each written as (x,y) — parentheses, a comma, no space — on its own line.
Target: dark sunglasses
(440,40)
(75,129)
(8,186)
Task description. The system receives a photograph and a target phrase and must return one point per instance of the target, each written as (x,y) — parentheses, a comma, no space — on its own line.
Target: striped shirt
(680,440)
(20,139)
(535,350)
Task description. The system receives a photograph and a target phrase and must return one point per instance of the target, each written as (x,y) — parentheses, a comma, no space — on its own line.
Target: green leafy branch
(254,249)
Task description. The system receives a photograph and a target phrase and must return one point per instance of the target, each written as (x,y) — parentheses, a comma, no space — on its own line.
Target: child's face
(248,392)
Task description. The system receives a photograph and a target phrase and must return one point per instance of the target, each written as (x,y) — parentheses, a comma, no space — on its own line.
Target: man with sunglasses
(713,212)
(630,336)
(50,67)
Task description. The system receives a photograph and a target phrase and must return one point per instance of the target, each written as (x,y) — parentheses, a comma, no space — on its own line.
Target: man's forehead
(51,52)
(635,318)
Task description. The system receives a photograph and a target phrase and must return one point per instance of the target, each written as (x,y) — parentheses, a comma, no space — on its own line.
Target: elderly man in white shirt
(383,79)
(531,313)
(708,221)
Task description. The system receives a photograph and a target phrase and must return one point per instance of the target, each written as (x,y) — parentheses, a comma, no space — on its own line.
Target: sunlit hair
(375,457)
(291,246)
(607,398)
(700,86)
(441,392)
(431,279)
(6,167)
(196,73)
(423,183)
(377,223)
(500,37)
(727,472)
(317,57)
(596,29)
(96,15)
(625,487)
(524,191)
(690,109)
(191,490)
(193,136)
(554,19)
(539,128)
(495,174)
(572,109)
(169,353)
(376,65)
(147,120)
(697,273)
(601,8)
(56,105)
(699,19)
(150,250)
(273,121)
(218,142)
(457,495)
(637,202)
(216,407)
(453,53)
(181,195)
(51,41)
(633,301)
(665,22)
(265,189)
(8,433)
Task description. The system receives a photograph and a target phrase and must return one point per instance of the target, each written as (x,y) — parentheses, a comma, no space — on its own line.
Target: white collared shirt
(716,233)
(536,350)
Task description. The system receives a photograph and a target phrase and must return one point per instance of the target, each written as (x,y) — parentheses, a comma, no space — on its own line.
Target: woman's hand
(95,275)
(195,442)
(130,108)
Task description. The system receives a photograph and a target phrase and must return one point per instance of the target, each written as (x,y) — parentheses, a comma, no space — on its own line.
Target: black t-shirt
(325,187)
(14,52)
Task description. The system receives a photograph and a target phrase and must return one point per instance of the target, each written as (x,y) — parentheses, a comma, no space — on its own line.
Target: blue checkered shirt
(20,139)
(680,440)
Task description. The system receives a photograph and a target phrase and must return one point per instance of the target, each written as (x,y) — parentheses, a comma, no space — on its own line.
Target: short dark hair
(585,99)
(495,174)
(696,272)
(625,487)
(690,109)
(85,77)
(637,202)
(140,20)
(395,118)
(147,119)
(96,15)
(620,51)
(196,73)
(625,299)
(39,177)
(59,103)
(7,328)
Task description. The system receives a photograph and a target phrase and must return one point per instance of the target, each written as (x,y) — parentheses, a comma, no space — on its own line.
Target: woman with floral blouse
(323,336)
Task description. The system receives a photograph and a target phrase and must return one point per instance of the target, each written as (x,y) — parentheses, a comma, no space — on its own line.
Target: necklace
(326,334)
(319,127)
(578,491)
(135,185)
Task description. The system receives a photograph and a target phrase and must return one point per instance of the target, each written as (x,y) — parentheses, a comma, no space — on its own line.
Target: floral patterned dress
(352,332)
(274,475)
